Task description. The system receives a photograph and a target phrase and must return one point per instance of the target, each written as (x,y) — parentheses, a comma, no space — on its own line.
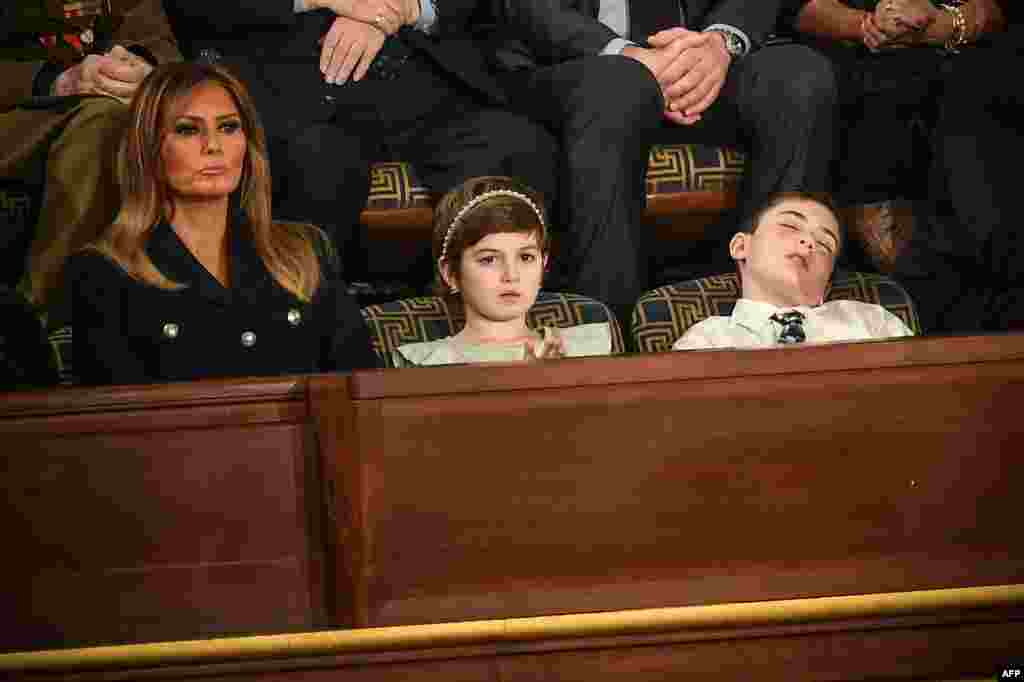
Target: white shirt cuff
(616,45)
(428,17)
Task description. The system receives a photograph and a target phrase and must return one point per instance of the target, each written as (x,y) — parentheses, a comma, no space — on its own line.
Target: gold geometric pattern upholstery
(671,169)
(394,184)
(429,318)
(661,316)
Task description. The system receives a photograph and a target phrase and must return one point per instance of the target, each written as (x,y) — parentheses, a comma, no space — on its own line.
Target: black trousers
(322,139)
(778,103)
(964,264)
(888,106)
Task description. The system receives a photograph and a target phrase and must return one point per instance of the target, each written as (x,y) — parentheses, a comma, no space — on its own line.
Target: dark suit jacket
(286,44)
(120,324)
(544,32)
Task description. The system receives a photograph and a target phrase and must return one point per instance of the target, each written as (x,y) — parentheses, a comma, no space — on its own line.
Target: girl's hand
(549,347)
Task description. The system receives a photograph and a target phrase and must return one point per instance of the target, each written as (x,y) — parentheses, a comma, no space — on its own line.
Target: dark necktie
(792,324)
(647,17)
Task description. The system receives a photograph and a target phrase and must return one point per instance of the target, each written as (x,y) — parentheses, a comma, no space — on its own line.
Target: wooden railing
(813,509)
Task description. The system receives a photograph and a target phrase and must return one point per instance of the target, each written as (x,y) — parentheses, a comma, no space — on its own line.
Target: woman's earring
(454,289)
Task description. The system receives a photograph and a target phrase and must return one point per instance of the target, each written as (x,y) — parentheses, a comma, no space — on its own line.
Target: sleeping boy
(785,255)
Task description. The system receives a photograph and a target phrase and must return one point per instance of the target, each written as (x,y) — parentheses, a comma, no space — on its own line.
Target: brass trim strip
(604,624)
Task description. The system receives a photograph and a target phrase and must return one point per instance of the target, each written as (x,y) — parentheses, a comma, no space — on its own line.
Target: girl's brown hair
(479,207)
(288,250)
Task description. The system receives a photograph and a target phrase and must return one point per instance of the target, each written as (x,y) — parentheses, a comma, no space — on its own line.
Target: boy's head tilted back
(786,252)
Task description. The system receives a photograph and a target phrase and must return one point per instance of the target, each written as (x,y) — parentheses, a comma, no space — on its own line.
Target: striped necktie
(792,324)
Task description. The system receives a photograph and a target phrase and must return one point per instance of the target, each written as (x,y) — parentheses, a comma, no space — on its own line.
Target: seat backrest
(429,318)
(661,316)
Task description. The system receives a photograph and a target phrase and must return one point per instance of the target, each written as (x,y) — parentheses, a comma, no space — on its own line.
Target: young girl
(491,249)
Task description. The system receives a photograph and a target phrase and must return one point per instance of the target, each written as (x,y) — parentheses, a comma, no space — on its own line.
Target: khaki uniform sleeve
(145,24)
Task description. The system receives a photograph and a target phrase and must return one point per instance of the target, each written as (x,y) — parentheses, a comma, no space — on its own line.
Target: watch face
(733,44)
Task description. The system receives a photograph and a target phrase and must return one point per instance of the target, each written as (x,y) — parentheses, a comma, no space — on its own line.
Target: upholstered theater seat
(680,177)
(661,316)
(413,320)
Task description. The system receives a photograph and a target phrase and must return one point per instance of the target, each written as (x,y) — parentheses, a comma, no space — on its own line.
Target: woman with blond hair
(194,279)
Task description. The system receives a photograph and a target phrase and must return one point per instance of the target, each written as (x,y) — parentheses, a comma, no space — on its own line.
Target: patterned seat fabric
(429,318)
(677,168)
(60,346)
(671,169)
(661,316)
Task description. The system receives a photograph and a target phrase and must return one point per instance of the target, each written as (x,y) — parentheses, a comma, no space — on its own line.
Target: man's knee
(619,92)
(320,160)
(799,80)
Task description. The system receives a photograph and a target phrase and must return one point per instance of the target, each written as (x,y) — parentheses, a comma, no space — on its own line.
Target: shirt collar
(756,315)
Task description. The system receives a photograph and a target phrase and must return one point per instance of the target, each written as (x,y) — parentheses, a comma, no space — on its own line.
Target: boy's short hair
(750,224)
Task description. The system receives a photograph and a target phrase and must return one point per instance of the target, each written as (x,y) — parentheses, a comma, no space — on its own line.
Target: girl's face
(204,146)
(500,276)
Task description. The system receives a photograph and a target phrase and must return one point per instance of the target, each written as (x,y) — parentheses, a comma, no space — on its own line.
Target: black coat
(545,32)
(128,332)
(286,46)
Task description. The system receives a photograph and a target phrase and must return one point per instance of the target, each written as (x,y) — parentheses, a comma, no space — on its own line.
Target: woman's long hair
(287,250)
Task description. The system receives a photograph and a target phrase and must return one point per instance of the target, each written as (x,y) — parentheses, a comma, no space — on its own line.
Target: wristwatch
(733,43)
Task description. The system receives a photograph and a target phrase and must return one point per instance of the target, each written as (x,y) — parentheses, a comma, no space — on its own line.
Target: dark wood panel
(919,352)
(185,516)
(542,499)
(79,400)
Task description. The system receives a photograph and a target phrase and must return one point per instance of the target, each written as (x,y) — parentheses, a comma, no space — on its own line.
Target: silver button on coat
(294,317)
(171,330)
(248,339)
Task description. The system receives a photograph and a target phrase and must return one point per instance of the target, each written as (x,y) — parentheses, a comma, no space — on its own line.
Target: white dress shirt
(750,325)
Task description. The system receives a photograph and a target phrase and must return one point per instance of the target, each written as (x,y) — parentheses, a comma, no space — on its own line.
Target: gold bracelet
(959,36)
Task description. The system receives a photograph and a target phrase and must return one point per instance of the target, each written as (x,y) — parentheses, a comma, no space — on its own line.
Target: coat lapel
(171,257)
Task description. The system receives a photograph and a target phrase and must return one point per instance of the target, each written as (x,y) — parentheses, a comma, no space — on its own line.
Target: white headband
(479,199)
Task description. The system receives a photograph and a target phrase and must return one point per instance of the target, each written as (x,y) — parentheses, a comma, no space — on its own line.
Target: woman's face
(501,275)
(204,145)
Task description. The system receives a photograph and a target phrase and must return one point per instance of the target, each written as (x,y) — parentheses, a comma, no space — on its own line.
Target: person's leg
(451,134)
(321,174)
(963,267)
(321,140)
(606,111)
(779,105)
(80,197)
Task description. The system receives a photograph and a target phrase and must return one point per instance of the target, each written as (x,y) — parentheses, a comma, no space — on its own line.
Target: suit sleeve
(756,19)
(554,31)
(145,26)
(101,352)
